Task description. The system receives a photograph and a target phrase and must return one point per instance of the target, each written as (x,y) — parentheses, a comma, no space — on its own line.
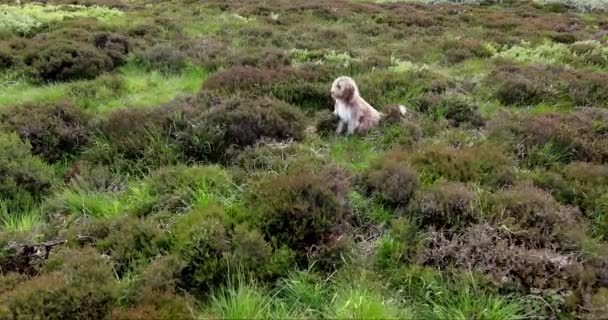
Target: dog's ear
(348,91)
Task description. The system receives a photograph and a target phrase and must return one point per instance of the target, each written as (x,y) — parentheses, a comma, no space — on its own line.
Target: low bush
(55,130)
(485,163)
(535,218)
(131,242)
(114,45)
(512,267)
(458,50)
(450,205)
(236,123)
(24,178)
(202,241)
(73,285)
(301,209)
(551,138)
(178,188)
(390,181)
(519,91)
(247,78)
(67,60)
(459,111)
(208,52)
(164,58)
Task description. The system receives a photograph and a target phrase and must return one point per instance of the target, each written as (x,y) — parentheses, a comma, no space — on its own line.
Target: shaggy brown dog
(353,110)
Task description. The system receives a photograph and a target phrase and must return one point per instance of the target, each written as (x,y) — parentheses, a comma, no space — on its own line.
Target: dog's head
(344,88)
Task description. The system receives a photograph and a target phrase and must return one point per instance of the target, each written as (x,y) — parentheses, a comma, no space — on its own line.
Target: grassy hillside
(177,160)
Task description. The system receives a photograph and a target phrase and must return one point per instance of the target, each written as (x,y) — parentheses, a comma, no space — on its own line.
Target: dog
(354,112)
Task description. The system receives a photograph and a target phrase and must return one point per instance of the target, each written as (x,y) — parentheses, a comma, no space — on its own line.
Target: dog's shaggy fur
(354,112)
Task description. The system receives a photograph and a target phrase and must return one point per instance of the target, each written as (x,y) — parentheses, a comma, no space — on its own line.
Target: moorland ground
(185,151)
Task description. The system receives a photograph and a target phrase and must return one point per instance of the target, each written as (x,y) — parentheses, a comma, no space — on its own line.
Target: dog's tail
(402,109)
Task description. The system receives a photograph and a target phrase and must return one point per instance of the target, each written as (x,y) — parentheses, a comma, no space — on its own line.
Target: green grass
(138,88)
(21,221)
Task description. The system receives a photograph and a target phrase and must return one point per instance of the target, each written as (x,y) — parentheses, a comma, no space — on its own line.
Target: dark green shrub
(164,58)
(104,3)
(534,217)
(250,252)
(67,60)
(208,52)
(173,189)
(203,242)
(589,89)
(554,137)
(485,163)
(23,177)
(268,156)
(270,58)
(6,58)
(300,209)
(459,111)
(327,123)
(447,205)
(563,37)
(392,182)
(132,131)
(74,285)
(519,91)
(462,49)
(157,305)
(382,88)
(116,46)
(54,130)
(238,78)
(304,94)
(237,123)
(132,241)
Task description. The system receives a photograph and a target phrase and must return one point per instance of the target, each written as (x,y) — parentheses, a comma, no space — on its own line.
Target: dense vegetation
(176,160)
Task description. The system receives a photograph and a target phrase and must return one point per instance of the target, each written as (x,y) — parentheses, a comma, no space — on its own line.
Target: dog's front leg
(352,125)
(340,127)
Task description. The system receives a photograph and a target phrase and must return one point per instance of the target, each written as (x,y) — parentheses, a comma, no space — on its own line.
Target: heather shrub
(270,58)
(387,87)
(390,181)
(73,285)
(202,241)
(164,58)
(399,245)
(237,123)
(512,266)
(458,111)
(534,217)
(115,46)
(589,89)
(458,50)
(519,91)
(485,163)
(280,157)
(178,188)
(132,241)
(248,78)
(327,123)
(131,131)
(156,305)
(24,178)
(54,130)
(304,94)
(67,60)
(300,209)
(553,137)
(208,52)
(450,205)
